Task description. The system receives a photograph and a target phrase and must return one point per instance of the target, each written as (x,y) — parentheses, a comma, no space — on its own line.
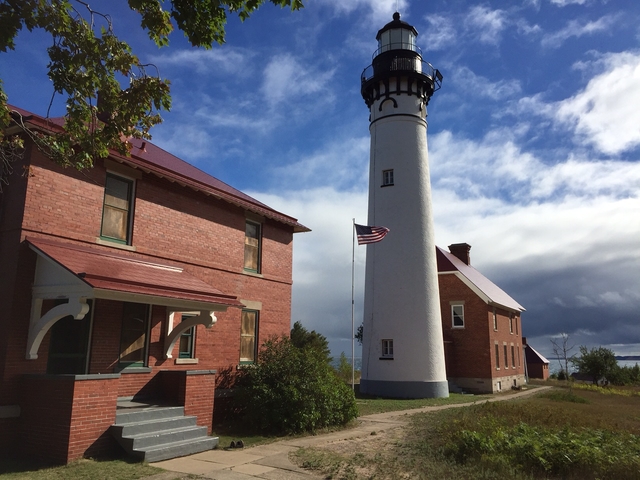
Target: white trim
(39,326)
(206,318)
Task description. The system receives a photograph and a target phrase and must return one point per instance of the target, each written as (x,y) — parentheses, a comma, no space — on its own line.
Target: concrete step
(160,433)
(147,414)
(137,428)
(177,449)
(161,437)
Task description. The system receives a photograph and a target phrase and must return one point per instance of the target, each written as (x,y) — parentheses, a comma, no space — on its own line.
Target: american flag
(370,234)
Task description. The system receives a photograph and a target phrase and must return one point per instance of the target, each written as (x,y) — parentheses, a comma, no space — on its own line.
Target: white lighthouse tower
(403,350)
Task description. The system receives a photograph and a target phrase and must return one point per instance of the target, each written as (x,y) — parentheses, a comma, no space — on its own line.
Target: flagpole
(353,333)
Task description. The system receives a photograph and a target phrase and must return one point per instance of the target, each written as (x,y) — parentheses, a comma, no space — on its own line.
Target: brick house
(141,279)
(537,364)
(481,327)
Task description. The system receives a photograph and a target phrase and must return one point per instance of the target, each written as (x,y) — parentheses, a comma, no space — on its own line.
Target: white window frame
(453,314)
(386,348)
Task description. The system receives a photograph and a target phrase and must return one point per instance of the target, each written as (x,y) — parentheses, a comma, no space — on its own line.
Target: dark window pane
(134,333)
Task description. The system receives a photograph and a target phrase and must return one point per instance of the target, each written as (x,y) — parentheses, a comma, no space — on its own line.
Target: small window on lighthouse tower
(387,178)
(387,348)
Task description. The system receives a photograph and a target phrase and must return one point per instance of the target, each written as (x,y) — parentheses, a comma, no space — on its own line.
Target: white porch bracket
(206,318)
(77,307)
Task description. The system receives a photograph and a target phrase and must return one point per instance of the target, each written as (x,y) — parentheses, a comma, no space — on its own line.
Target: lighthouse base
(391,389)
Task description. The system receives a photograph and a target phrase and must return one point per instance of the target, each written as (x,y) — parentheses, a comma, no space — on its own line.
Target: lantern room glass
(397,39)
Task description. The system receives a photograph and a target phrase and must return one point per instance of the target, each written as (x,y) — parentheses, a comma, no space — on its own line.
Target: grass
(370,405)
(232,431)
(579,434)
(79,470)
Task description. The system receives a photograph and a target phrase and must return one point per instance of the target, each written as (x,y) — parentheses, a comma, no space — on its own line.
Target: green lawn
(80,470)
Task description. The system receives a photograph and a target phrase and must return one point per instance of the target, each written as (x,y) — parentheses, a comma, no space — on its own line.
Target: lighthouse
(403,350)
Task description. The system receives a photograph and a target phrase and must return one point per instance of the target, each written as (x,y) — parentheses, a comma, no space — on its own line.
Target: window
(117,209)
(506,360)
(495,320)
(187,340)
(133,338)
(513,356)
(387,178)
(511,323)
(516,323)
(497,357)
(519,355)
(69,344)
(457,315)
(252,243)
(248,336)
(387,348)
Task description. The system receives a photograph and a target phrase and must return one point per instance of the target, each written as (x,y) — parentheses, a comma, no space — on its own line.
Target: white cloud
(222,59)
(440,34)
(286,79)
(340,164)
(463,76)
(486,24)
(564,3)
(605,113)
(379,11)
(577,29)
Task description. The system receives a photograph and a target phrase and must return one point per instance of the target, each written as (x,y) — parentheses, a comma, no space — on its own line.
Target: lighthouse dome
(397,35)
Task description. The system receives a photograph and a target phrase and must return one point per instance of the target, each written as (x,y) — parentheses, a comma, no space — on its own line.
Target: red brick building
(142,278)
(481,327)
(537,364)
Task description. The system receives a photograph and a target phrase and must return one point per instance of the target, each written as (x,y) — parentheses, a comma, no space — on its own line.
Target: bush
(292,390)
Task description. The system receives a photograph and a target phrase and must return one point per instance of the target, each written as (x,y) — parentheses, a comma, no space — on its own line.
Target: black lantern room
(398,57)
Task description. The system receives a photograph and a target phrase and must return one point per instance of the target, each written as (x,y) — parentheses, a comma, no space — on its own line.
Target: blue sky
(534,143)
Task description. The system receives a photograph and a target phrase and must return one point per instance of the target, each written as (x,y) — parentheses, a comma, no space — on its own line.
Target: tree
(344,369)
(291,390)
(562,350)
(111,94)
(359,334)
(597,363)
(305,339)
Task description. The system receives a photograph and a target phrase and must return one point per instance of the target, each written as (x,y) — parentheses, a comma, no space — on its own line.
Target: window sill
(385,358)
(252,274)
(388,185)
(186,361)
(458,327)
(121,246)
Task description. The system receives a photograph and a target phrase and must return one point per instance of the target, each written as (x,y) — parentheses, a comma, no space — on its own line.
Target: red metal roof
(133,274)
(447,262)
(151,158)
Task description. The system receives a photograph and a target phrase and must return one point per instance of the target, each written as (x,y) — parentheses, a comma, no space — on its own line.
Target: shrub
(292,390)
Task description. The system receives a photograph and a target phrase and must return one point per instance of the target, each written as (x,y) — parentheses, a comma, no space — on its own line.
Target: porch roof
(129,277)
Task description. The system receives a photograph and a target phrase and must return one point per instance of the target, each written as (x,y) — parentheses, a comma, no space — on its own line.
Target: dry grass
(430,447)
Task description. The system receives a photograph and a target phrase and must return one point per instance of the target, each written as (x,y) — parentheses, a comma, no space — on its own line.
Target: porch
(67,417)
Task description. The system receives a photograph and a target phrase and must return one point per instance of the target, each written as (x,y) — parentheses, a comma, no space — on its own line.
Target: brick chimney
(461,250)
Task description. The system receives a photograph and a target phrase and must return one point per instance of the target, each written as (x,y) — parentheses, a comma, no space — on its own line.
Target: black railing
(397,46)
(403,64)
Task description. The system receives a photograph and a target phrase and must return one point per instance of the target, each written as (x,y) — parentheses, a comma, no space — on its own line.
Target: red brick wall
(470,350)
(193,389)
(94,411)
(45,418)
(64,419)
(171,224)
